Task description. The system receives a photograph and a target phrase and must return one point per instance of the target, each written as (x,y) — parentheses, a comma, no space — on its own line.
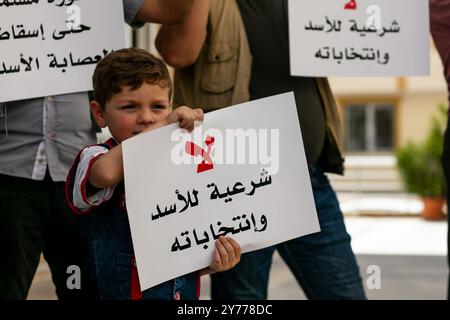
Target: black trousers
(446,164)
(35,218)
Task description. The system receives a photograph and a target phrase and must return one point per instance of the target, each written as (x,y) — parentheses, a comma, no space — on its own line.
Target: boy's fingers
(184,124)
(230,251)
(187,117)
(188,127)
(236,247)
(222,251)
(216,260)
(199,114)
(170,118)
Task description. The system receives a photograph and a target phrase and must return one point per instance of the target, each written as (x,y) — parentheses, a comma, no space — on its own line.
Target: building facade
(379,115)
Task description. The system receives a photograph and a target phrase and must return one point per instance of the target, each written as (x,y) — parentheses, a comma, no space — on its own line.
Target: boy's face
(130,112)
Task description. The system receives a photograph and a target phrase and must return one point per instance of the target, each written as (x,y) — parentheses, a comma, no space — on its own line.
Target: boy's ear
(97,112)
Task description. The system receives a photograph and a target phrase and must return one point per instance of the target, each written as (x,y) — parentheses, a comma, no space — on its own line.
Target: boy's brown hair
(128,67)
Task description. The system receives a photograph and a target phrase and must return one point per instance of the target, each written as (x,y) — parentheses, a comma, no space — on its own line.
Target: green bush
(420,164)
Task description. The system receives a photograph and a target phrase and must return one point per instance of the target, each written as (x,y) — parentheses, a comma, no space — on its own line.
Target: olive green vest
(332,159)
(221,75)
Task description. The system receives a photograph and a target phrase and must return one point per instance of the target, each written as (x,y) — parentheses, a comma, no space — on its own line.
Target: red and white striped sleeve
(84,198)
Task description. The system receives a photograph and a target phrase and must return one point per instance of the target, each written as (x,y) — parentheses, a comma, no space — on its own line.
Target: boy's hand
(226,255)
(186,116)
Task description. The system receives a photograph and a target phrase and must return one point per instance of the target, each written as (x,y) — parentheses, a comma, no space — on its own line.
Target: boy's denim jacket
(112,265)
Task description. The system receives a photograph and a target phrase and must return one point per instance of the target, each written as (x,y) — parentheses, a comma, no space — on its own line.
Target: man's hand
(186,116)
(226,255)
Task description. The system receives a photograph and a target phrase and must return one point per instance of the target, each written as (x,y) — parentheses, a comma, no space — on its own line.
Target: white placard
(257,191)
(377,38)
(50,47)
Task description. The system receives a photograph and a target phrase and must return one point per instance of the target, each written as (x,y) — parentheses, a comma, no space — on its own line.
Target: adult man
(217,74)
(39,139)
(440,30)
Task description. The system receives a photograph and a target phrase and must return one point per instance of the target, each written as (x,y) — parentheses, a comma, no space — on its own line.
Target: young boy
(132,90)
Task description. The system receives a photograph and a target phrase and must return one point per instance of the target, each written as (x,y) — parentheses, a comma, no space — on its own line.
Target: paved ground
(374,203)
(410,253)
(402,278)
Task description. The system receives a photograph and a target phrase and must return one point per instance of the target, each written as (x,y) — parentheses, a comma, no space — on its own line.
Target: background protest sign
(359,38)
(50,47)
(249,181)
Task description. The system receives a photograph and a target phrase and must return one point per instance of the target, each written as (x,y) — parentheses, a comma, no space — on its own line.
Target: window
(369,127)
